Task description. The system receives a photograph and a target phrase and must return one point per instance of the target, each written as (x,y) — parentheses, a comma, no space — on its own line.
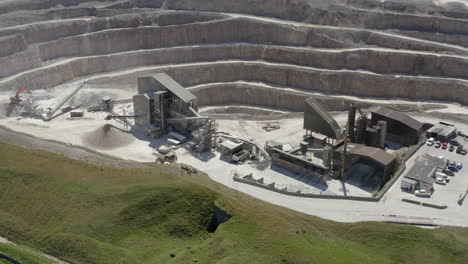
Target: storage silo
(379,132)
(372,137)
(383,133)
(361,130)
(352,121)
(327,156)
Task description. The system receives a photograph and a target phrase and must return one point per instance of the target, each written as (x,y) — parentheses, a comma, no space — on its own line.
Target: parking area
(450,193)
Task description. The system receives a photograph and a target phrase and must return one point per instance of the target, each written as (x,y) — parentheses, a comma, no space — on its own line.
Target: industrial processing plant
(347,110)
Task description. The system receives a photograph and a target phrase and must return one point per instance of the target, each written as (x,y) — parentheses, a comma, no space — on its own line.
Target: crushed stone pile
(86,98)
(107,137)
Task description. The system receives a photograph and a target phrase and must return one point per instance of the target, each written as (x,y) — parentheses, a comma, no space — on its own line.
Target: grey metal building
(382,160)
(180,98)
(421,175)
(161,100)
(442,131)
(298,164)
(401,128)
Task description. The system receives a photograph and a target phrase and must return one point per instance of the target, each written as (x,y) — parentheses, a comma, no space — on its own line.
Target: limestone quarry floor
(141,149)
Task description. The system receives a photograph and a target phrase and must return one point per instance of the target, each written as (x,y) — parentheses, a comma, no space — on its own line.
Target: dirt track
(75,152)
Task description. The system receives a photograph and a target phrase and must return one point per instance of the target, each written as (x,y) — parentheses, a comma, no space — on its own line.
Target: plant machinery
(16,99)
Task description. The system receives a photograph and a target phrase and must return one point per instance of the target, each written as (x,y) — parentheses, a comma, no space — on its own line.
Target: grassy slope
(90,214)
(22,254)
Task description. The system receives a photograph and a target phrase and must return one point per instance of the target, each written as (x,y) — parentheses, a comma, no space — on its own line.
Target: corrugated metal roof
(227,144)
(376,154)
(447,131)
(399,116)
(435,129)
(319,136)
(424,168)
(408,180)
(174,87)
(442,129)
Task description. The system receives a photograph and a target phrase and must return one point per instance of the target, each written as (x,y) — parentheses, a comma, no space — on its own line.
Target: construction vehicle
(16,99)
(270,126)
(105,104)
(26,103)
(170,157)
(240,156)
(189,169)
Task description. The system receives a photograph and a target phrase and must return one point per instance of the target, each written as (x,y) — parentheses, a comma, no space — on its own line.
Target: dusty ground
(73,134)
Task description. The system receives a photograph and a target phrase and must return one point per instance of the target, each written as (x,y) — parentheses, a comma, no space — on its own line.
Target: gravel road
(75,152)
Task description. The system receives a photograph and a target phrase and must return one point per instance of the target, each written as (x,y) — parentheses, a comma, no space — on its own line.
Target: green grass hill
(87,213)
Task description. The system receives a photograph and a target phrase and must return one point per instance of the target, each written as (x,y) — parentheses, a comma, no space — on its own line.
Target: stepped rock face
(272,53)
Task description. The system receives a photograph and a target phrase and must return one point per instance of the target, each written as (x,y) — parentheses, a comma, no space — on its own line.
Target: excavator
(16,99)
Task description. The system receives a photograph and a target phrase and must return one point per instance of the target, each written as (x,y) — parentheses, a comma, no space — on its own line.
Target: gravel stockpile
(107,137)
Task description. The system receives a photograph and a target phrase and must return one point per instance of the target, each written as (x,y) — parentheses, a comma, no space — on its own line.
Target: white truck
(442,175)
(440,181)
(431,141)
(422,193)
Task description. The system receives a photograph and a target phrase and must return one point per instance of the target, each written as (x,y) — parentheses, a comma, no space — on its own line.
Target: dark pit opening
(220,216)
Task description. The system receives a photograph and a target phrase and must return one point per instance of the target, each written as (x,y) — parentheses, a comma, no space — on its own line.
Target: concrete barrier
(411,201)
(271,187)
(437,206)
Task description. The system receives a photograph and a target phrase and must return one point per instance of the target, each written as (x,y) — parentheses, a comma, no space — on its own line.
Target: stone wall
(326,13)
(384,62)
(226,31)
(19,62)
(220,69)
(334,82)
(61,29)
(42,4)
(11,44)
(449,38)
(295,58)
(272,187)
